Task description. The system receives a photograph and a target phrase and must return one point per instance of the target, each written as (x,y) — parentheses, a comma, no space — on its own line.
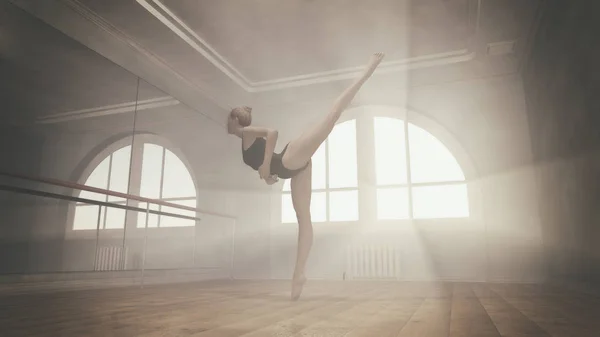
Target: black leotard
(254,157)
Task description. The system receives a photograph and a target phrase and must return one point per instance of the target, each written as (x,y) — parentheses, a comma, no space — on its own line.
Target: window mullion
(367,190)
(408,172)
(110,159)
(160,190)
(439,183)
(135,179)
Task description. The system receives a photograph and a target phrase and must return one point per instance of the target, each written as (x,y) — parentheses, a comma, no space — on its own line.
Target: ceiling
(270,39)
(261,41)
(229,48)
(44,72)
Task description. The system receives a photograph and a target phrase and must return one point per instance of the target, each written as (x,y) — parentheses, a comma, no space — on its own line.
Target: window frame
(137,140)
(328,189)
(367,184)
(410,185)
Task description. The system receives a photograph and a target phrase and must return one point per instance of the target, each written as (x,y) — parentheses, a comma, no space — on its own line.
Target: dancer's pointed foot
(376,58)
(297,286)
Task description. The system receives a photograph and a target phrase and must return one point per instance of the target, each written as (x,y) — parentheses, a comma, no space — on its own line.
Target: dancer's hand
(264,171)
(272,179)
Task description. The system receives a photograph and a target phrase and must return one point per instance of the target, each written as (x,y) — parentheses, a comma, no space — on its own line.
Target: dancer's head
(239,117)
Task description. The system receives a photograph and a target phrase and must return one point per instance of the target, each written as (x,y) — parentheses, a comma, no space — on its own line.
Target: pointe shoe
(297,286)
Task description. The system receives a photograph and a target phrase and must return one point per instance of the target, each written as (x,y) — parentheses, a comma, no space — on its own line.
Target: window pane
(318,168)
(342,155)
(392,203)
(343,206)
(318,208)
(449,201)
(167,221)
(86,217)
(152,219)
(99,179)
(119,172)
(115,218)
(177,179)
(390,151)
(151,171)
(287,209)
(286,185)
(430,160)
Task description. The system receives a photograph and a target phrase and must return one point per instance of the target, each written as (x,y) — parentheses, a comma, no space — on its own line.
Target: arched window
(158,174)
(334,179)
(416,175)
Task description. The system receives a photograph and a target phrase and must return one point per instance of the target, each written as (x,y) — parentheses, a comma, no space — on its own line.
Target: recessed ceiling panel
(271,39)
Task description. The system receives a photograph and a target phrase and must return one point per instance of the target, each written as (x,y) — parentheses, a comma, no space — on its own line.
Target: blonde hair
(243,115)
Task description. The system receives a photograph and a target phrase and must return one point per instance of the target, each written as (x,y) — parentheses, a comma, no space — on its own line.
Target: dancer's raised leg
(301,187)
(300,150)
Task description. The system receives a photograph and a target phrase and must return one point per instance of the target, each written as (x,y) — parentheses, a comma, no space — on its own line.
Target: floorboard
(327,308)
(468,316)
(508,320)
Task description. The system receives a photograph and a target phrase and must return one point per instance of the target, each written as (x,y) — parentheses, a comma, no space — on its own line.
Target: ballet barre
(75,186)
(100,204)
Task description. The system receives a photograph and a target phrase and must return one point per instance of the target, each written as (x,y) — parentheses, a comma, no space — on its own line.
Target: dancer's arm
(271,137)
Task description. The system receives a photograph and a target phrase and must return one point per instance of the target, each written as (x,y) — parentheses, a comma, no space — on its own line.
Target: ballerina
(294,162)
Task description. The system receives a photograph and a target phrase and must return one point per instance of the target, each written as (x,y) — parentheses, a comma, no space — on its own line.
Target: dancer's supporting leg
(301,186)
(300,150)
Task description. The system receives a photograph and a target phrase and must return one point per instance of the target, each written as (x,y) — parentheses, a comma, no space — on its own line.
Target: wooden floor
(262,308)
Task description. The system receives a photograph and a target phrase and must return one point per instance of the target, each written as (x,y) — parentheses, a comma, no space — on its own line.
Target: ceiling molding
(83,25)
(428,61)
(108,110)
(102,23)
(59,14)
(178,26)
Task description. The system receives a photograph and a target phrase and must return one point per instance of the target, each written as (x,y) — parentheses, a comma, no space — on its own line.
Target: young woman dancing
(294,162)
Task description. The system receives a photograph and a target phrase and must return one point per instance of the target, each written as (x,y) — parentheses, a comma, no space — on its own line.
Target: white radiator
(373,262)
(111,258)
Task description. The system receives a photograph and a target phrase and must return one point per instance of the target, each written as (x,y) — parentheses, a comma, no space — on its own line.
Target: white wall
(487,118)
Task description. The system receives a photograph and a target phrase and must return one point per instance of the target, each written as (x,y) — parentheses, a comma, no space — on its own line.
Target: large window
(415,176)
(334,179)
(160,174)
